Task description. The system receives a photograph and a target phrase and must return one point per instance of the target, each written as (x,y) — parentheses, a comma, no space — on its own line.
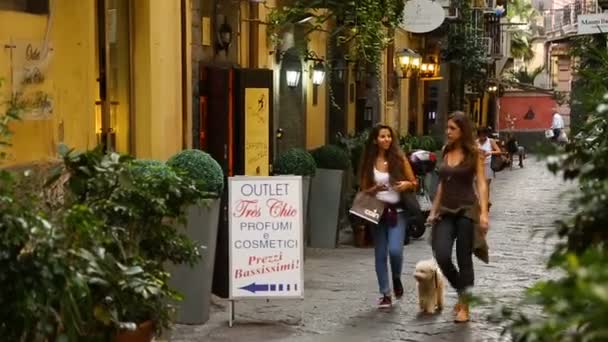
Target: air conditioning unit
(490,6)
(468,90)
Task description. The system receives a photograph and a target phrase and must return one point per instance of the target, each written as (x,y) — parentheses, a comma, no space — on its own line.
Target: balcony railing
(563,21)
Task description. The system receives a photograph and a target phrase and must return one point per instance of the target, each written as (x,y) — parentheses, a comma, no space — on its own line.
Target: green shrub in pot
(201,168)
(354,144)
(136,203)
(295,161)
(331,157)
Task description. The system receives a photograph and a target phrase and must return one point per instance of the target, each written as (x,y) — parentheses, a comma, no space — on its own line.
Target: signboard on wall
(266,237)
(593,23)
(421,16)
(30,62)
(257,134)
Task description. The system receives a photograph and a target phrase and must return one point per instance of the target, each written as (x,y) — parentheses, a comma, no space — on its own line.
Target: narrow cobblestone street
(341,287)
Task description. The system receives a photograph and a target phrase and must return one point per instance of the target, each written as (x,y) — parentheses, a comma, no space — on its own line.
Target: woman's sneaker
(398,286)
(385,302)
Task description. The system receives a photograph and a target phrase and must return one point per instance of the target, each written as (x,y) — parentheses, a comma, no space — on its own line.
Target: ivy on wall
(364,28)
(465,47)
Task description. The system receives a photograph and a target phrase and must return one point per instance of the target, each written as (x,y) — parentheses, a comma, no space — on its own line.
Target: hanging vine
(363,27)
(465,47)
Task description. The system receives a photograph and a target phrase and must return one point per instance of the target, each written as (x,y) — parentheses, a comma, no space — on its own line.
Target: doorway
(114,110)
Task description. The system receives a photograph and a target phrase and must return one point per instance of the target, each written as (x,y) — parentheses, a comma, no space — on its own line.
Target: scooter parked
(423,164)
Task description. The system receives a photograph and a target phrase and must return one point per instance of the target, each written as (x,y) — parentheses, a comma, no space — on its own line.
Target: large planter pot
(194,283)
(306,182)
(143,333)
(325,206)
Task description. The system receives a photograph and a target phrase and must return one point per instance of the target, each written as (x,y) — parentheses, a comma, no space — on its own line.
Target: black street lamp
(318,74)
(224,36)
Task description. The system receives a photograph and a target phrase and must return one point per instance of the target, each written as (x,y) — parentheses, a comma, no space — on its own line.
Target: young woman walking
(457,209)
(488,148)
(386,172)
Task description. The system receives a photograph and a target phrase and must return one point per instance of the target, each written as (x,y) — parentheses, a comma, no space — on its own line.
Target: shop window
(28,6)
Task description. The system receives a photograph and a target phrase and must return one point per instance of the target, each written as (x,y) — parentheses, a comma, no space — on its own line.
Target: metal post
(231,314)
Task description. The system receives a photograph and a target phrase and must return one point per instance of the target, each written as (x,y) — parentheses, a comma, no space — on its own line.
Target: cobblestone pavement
(341,289)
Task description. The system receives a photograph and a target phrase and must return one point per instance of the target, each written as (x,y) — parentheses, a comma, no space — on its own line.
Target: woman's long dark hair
(467,138)
(394,157)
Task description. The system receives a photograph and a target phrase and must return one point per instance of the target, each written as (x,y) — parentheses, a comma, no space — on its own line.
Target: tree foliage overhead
(520,12)
(363,27)
(525,76)
(590,78)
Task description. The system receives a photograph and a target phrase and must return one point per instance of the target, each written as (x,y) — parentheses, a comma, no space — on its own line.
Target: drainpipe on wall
(254,30)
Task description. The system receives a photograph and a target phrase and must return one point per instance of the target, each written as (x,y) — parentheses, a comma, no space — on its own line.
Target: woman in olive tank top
(456,207)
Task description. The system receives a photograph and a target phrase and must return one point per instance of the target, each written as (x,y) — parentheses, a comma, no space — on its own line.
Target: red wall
(518,104)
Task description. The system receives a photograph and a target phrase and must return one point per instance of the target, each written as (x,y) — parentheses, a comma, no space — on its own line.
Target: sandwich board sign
(266,238)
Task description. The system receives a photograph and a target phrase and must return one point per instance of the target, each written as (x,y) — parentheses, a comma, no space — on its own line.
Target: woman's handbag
(367,207)
(498,163)
(415,216)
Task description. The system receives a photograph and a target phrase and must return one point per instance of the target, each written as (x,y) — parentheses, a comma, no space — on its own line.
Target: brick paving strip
(341,288)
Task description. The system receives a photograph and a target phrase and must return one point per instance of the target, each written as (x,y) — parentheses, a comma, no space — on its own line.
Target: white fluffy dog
(430,286)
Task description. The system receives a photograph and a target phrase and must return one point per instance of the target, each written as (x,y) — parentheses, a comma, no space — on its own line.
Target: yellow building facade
(120,72)
(110,67)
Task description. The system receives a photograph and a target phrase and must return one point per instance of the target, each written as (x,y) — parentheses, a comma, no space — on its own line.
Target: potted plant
(299,162)
(327,194)
(135,204)
(41,290)
(201,226)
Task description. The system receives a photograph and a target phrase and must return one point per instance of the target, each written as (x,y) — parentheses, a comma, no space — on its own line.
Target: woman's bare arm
(482,185)
(495,148)
(436,202)
(410,183)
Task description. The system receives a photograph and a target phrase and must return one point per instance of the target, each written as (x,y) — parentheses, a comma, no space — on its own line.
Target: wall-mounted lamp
(428,68)
(293,77)
(293,69)
(318,74)
(339,69)
(409,61)
(224,36)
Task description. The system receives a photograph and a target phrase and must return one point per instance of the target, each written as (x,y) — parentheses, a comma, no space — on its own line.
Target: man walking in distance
(557,125)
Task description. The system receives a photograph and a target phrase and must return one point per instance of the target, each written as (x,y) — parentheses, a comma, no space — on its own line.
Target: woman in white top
(488,148)
(385,172)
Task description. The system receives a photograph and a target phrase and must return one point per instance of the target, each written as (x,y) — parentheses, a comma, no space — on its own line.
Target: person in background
(488,148)
(457,208)
(513,148)
(557,125)
(385,172)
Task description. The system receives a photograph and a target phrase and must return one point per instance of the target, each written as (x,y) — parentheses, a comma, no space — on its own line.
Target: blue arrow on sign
(253,288)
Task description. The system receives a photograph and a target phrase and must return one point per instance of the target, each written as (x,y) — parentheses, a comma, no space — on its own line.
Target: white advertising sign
(421,16)
(266,237)
(593,23)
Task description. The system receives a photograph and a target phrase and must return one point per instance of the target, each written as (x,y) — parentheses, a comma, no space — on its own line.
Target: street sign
(593,23)
(266,237)
(421,16)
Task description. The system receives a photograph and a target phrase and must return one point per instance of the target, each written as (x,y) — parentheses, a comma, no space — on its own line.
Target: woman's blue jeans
(389,243)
